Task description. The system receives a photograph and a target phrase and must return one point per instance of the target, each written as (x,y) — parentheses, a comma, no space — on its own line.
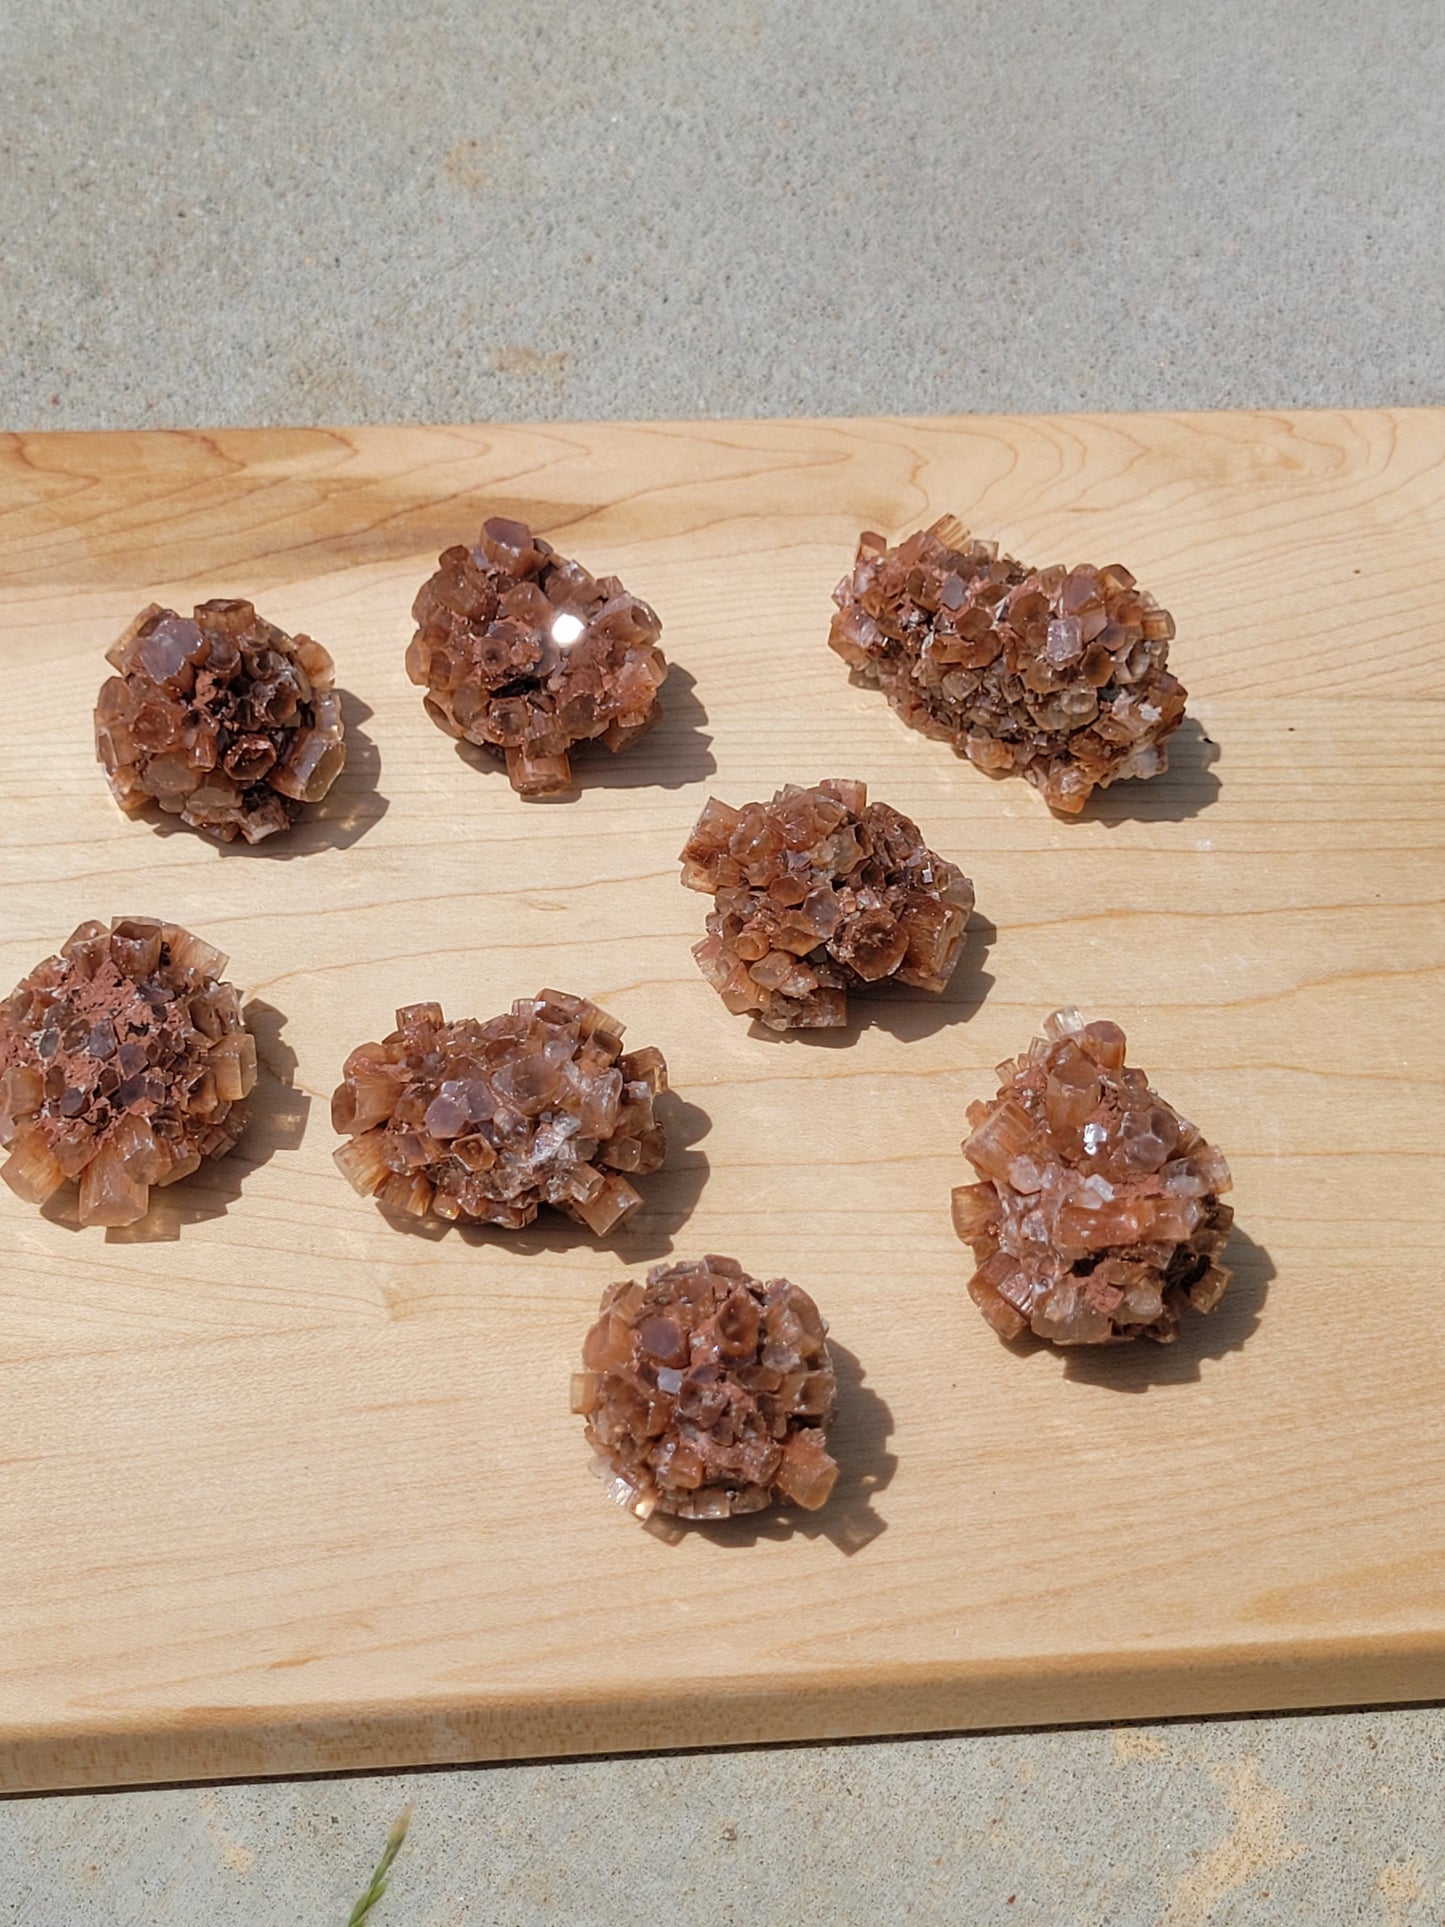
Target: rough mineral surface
(219,718)
(1098,1217)
(1057,673)
(707,1393)
(489,1121)
(818,892)
(123,1063)
(524,653)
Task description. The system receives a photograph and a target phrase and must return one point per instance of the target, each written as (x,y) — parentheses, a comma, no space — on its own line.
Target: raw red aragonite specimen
(1057,673)
(488,1121)
(123,1063)
(1098,1215)
(707,1393)
(524,653)
(221,719)
(818,892)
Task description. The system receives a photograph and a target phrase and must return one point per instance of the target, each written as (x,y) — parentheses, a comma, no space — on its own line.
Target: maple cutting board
(284,1488)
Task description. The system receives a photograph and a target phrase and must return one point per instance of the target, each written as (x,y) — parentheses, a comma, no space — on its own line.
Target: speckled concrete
(218,211)
(438,210)
(1210,1824)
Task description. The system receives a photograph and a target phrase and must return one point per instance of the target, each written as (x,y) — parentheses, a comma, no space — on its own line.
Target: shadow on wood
(858,1439)
(902,1010)
(1144,1365)
(675,752)
(669,1197)
(1186,788)
(342,818)
(277,1122)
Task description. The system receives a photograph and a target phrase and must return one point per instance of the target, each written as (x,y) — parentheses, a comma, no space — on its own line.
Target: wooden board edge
(14,438)
(219,1742)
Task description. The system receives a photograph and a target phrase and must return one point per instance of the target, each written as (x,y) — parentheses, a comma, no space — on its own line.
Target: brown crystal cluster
(524,653)
(707,1393)
(1057,673)
(123,1063)
(1098,1217)
(489,1121)
(818,892)
(221,719)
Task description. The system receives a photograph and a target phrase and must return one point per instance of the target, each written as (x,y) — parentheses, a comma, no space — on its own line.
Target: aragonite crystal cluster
(1097,1216)
(123,1063)
(221,719)
(707,1393)
(816,893)
(1060,674)
(525,653)
(490,1121)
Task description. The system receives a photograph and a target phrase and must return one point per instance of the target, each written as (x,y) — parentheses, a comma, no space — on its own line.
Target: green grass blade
(383,1867)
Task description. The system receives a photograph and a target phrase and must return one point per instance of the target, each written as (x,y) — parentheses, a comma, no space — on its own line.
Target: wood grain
(286,1489)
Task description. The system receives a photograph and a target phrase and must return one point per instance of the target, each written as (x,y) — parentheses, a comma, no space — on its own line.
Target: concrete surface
(224,211)
(1195,1825)
(433,209)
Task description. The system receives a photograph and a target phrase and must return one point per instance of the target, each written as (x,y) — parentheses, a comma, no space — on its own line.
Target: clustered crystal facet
(707,1393)
(1057,673)
(123,1063)
(221,719)
(525,653)
(816,893)
(1098,1215)
(490,1121)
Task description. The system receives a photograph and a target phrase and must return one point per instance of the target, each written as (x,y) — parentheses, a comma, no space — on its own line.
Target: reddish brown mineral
(708,1394)
(219,718)
(489,1121)
(1057,673)
(123,1063)
(1098,1217)
(524,653)
(818,892)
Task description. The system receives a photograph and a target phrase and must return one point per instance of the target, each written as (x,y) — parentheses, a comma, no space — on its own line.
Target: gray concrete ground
(438,210)
(232,211)
(1201,1824)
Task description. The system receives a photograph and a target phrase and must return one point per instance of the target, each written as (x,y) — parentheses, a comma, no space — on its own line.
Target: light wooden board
(286,1489)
